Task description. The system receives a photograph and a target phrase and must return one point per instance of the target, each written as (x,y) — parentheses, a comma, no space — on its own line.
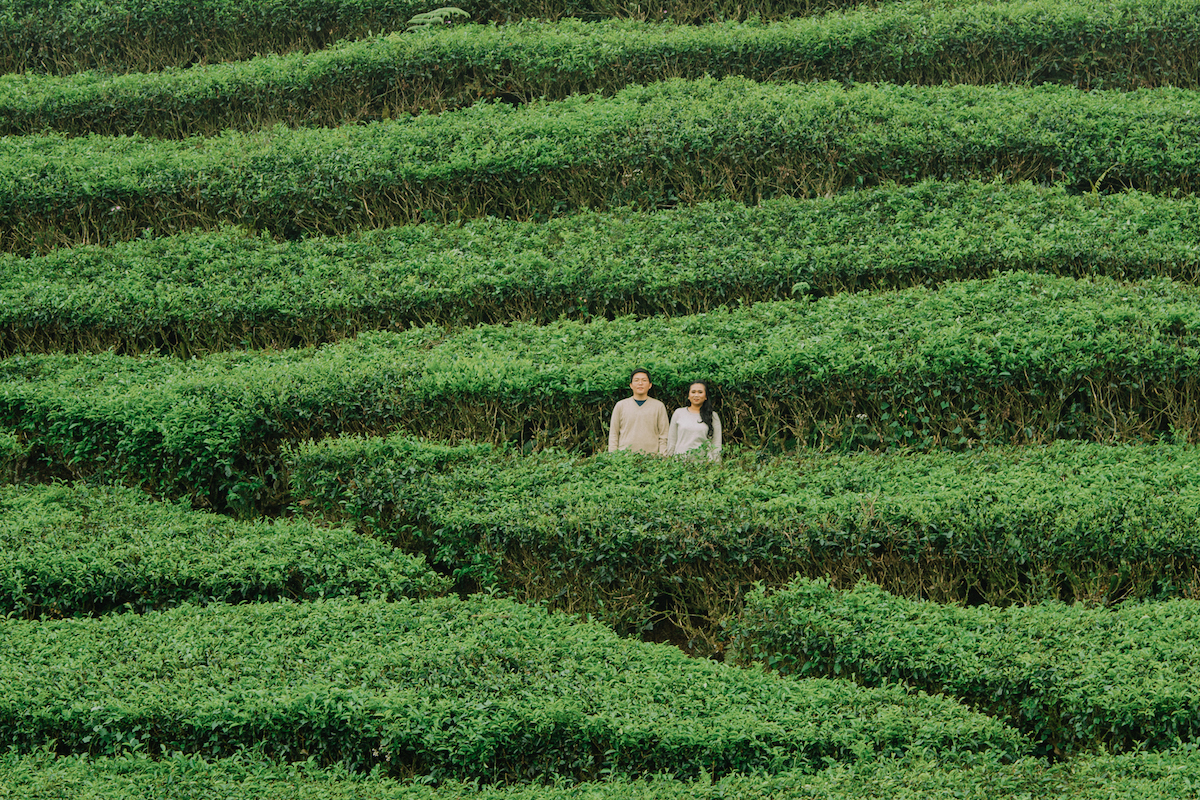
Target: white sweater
(688,432)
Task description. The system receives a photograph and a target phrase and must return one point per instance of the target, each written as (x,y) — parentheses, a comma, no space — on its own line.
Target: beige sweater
(642,429)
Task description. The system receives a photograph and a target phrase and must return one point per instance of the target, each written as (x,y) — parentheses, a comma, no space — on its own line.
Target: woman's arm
(714,452)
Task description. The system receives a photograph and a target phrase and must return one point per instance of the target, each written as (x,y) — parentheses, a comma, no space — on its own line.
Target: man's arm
(614,429)
(663,425)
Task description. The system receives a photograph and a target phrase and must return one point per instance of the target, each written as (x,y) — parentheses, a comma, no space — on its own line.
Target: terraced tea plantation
(313,313)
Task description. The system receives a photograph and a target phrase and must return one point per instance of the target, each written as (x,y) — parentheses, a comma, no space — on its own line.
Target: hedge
(1126,45)
(667,548)
(69,550)
(678,142)
(482,689)
(1074,678)
(13,452)
(60,36)
(197,293)
(1017,358)
(1147,776)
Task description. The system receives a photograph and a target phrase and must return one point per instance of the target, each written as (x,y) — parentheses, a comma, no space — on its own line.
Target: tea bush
(1017,358)
(671,143)
(1074,678)
(13,452)
(1147,776)
(482,689)
(60,36)
(69,550)
(197,293)
(214,700)
(1125,45)
(639,543)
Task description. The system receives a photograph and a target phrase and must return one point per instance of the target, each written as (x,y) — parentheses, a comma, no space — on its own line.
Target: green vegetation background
(937,257)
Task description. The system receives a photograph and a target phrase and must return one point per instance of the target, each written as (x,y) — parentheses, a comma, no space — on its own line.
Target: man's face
(640,385)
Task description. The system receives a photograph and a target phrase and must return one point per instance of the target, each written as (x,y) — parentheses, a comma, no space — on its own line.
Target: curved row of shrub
(1112,46)
(198,293)
(1073,678)
(1018,358)
(60,36)
(67,550)
(481,689)
(678,142)
(1146,776)
(637,542)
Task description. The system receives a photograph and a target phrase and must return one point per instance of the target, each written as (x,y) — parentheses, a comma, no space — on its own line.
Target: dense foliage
(1089,46)
(1146,776)
(445,689)
(714,206)
(675,546)
(68,550)
(669,143)
(63,36)
(1018,358)
(1072,677)
(13,452)
(197,293)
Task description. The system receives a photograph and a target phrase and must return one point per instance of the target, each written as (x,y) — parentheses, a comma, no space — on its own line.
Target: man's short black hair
(646,372)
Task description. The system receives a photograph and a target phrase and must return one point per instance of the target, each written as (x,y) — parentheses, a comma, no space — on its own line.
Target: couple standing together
(639,423)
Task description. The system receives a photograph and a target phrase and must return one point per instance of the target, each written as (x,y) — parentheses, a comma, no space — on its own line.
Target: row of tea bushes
(60,36)
(1125,45)
(1017,358)
(482,689)
(68,550)
(197,293)
(636,541)
(647,146)
(1074,678)
(1145,776)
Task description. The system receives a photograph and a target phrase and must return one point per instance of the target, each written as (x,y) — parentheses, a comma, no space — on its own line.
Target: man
(639,423)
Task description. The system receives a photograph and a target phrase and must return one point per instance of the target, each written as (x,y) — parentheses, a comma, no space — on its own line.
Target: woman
(696,426)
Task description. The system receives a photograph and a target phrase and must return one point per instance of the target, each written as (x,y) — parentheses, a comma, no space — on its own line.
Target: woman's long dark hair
(706,408)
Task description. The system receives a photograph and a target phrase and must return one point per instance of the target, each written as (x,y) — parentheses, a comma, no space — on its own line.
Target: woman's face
(697,395)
